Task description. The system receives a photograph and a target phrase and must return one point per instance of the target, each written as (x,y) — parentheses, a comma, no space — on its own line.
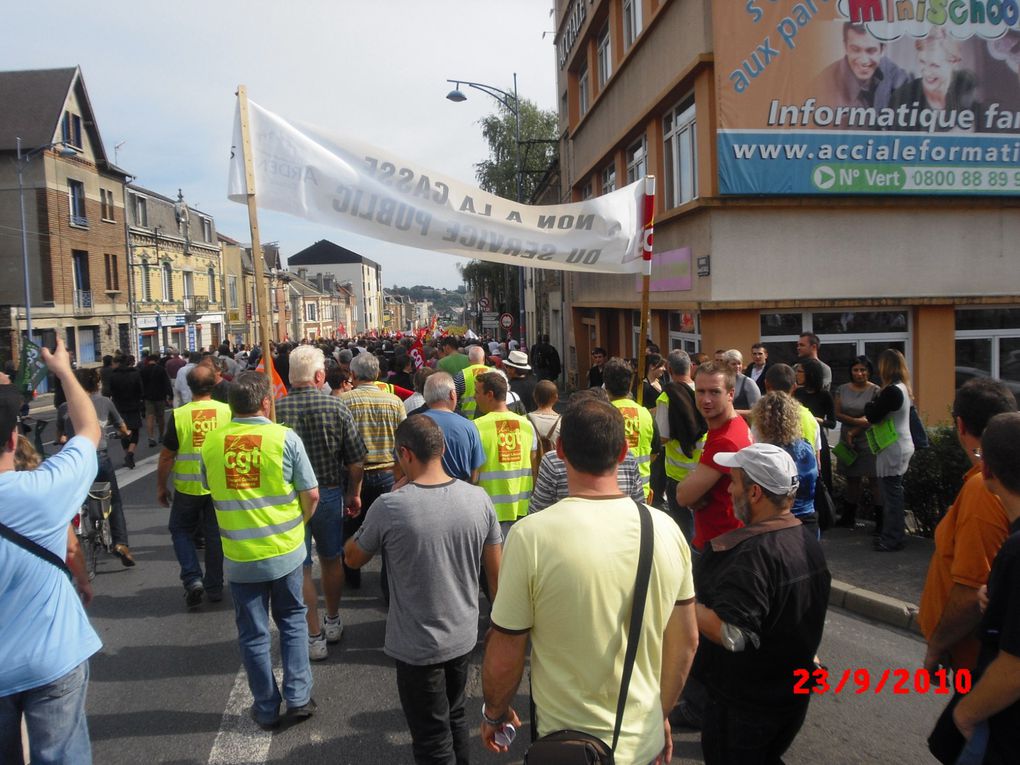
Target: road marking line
(240,741)
(126,476)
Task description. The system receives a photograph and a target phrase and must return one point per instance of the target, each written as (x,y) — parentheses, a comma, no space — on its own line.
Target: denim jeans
(749,735)
(893,514)
(682,515)
(188,513)
(55,717)
(118,524)
(432,697)
(252,604)
(373,485)
(327,526)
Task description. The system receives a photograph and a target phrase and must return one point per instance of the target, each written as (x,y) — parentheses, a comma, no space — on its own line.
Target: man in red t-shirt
(706,489)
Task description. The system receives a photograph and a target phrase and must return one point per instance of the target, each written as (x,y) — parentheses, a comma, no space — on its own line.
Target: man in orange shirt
(966,539)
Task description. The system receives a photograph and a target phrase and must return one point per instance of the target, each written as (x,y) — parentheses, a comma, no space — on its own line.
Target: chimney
(302,273)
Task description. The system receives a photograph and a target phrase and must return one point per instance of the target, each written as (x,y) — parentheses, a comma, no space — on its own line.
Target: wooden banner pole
(261,289)
(648,229)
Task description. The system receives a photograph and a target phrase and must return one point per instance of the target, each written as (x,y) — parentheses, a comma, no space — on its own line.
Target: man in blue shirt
(48,640)
(463,456)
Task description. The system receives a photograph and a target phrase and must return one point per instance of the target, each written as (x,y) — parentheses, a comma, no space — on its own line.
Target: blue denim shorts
(327,526)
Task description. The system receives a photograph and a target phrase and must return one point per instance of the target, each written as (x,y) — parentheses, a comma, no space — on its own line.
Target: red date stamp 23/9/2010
(897,681)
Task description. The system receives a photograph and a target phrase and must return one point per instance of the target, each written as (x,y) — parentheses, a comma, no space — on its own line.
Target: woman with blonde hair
(891,409)
(776,419)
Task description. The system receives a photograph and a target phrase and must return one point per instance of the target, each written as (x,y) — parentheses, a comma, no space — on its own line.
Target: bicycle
(92,525)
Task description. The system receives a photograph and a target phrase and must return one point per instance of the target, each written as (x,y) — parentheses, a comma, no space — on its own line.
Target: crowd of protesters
(456,462)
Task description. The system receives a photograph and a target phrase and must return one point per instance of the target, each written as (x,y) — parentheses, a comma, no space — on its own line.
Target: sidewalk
(884,587)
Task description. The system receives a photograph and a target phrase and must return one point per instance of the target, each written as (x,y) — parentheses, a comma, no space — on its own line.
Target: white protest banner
(352,186)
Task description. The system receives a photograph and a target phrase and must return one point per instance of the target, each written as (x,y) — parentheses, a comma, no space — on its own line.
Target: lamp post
(20,162)
(513,104)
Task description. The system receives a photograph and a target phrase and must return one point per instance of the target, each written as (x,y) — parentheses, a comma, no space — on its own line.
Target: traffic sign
(483,303)
(506,320)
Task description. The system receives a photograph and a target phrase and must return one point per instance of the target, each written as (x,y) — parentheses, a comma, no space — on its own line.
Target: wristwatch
(493,722)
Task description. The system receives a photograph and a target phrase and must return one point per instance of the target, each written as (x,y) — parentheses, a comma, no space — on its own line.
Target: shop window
(988,345)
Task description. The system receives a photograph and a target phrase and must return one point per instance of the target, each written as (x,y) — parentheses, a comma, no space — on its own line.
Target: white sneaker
(317,648)
(333,629)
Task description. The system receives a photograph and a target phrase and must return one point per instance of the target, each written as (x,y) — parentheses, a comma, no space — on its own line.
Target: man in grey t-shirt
(435,532)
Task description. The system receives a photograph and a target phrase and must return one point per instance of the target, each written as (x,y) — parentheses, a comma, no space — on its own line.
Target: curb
(875,606)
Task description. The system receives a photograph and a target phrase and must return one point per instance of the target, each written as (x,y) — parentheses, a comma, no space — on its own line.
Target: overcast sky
(162,79)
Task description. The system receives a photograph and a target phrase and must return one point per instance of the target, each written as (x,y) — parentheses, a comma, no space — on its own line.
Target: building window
(211,275)
(168,281)
(88,345)
(609,178)
(605,57)
(112,277)
(189,285)
(80,269)
(636,161)
(844,335)
(146,283)
(232,291)
(310,312)
(678,131)
(586,191)
(106,205)
(684,331)
(206,230)
(70,129)
(583,96)
(631,21)
(141,211)
(76,203)
(988,345)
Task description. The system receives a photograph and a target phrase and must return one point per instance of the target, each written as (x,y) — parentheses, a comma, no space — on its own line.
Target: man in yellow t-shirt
(589,542)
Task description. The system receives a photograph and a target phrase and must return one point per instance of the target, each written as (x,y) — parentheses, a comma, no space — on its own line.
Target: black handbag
(825,508)
(573,747)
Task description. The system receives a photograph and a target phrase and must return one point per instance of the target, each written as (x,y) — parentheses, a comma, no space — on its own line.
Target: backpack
(545,443)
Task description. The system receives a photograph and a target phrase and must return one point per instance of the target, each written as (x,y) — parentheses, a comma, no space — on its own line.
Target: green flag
(32,368)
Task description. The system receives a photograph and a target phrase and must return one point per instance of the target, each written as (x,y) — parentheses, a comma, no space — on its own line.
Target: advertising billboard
(868,96)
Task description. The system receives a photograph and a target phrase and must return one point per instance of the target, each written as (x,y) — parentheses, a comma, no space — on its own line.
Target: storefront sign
(868,96)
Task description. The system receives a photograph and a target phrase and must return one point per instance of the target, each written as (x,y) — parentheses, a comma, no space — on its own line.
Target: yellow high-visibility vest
(193,422)
(506,439)
(467,404)
(638,426)
(259,512)
(678,465)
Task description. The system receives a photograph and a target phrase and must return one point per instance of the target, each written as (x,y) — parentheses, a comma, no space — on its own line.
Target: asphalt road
(167,687)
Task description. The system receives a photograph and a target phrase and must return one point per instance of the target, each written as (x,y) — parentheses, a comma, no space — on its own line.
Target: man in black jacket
(156,392)
(127,394)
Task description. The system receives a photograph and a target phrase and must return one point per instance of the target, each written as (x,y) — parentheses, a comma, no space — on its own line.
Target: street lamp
(513,104)
(21,161)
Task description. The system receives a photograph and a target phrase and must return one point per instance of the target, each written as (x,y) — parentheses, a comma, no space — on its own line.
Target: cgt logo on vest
(508,436)
(242,456)
(631,426)
(203,421)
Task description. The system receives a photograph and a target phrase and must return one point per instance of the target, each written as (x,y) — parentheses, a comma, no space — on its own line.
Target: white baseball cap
(767,465)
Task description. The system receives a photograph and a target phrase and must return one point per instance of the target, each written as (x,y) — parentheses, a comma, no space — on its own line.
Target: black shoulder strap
(637,614)
(36,549)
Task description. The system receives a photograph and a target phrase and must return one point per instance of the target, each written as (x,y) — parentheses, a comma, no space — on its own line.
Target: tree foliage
(498,175)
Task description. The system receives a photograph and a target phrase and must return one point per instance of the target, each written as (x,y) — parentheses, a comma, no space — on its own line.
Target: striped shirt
(551,483)
(377,415)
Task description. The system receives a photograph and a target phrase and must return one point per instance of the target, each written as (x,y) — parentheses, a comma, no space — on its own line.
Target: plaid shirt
(327,430)
(377,415)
